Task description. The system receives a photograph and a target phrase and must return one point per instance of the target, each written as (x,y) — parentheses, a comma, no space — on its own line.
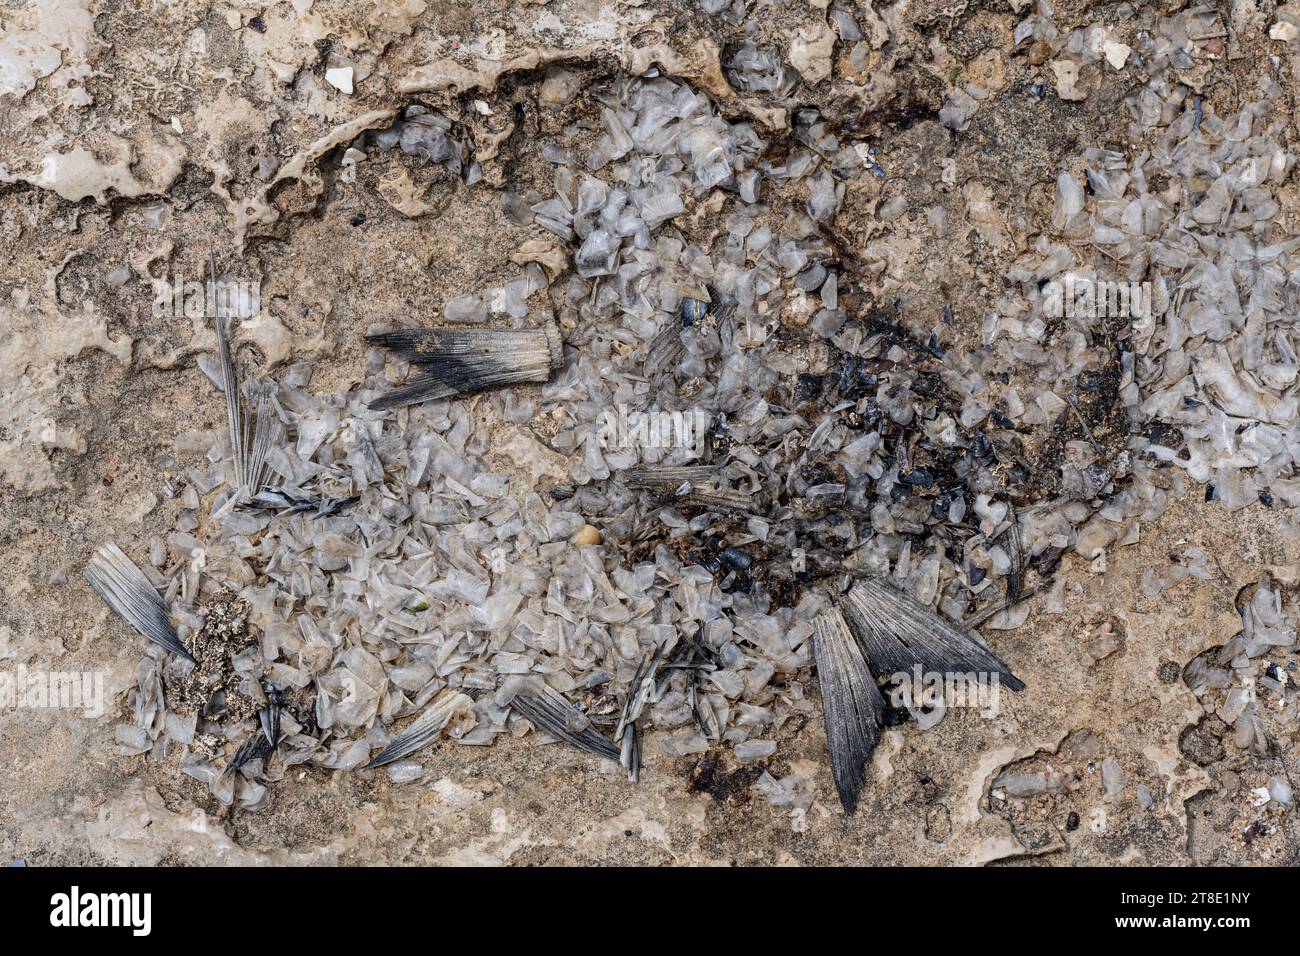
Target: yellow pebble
(588,535)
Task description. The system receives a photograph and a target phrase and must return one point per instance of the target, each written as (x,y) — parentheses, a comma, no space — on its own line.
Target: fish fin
(128,592)
(898,632)
(852,706)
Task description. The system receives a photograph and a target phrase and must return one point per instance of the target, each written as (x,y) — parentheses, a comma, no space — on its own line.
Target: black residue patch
(712,775)
(1095,414)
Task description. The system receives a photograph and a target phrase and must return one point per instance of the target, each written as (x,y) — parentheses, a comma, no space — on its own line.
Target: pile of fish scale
(1191,208)
(1210,373)
(843,444)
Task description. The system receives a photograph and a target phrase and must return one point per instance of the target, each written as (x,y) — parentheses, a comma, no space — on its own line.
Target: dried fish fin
(429,345)
(851,703)
(548,710)
(459,361)
(128,592)
(655,477)
(639,690)
(267,432)
(424,730)
(630,754)
(724,499)
(898,632)
(1016,549)
(254,746)
(698,485)
(481,371)
(269,718)
(426,388)
(706,721)
(234,411)
(667,347)
(254,428)
(665,350)
(448,377)
(412,739)
(723,307)
(278,499)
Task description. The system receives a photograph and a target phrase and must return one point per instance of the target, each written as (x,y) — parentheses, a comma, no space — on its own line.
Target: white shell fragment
(1117,53)
(340,77)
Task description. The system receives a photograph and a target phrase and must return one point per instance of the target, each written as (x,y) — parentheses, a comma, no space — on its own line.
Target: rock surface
(134,141)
